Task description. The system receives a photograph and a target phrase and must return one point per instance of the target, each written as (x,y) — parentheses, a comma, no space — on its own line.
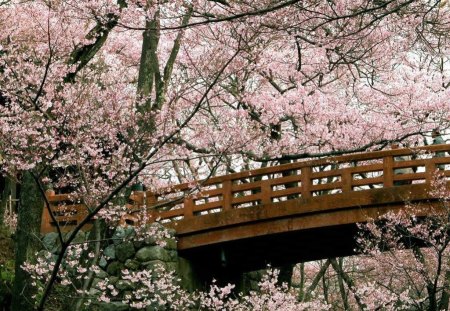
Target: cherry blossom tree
(98,95)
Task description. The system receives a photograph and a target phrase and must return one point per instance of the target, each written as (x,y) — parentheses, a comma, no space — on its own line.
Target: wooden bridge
(288,213)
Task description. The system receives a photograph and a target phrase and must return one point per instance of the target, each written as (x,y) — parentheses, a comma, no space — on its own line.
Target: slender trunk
(431,288)
(301,289)
(27,241)
(350,284)
(316,280)
(443,303)
(342,288)
(325,289)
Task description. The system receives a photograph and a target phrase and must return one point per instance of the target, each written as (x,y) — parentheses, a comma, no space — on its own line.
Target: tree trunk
(286,274)
(27,241)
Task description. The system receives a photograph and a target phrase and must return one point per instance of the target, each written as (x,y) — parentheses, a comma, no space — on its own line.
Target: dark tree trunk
(27,240)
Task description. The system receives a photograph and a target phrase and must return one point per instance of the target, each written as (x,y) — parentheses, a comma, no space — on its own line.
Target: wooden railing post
(188,207)
(430,168)
(266,190)
(46,225)
(388,171)
(346,179)
(306,181)
(227,196)
(150,200)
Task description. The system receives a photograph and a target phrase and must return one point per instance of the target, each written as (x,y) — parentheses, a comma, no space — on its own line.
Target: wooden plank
(306,182)
(366,168)
(274,226)
(388,172)
(150,199)
(319,204)
(46,219)
(77,218)
(327,186)
(266,191)
(169,214)
(208,206)
(368,181)
(227,195)
(208,193)
(410,163)
(284,180)
(137,197)
(430,169)
(62,197)
(328,174)
(188,207)
(411,176)
(247,186)
(68,208)
(246,199)
(346,180)
(285,192)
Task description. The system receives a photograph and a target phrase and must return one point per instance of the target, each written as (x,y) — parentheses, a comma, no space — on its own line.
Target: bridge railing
(306,180)
(298,180)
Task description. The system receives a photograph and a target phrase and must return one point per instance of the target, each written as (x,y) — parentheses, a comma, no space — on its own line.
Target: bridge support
(198,275)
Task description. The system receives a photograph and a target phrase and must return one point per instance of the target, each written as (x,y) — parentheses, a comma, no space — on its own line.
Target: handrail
(298,180)
(303,179)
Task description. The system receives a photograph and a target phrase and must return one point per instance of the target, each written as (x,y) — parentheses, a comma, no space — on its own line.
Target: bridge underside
(287,232)
(274,249)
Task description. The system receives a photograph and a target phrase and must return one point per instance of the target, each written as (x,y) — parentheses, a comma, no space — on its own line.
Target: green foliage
(6,282)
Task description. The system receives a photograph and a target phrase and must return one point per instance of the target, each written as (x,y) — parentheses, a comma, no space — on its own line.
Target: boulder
(51,242)
(114,268)
(103,262)
(110,252)
(149,253)
(132,264)
(125,251)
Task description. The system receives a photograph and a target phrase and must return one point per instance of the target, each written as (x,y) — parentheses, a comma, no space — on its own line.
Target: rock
(170,244)
(102,262)
(132,264)
(114,268)
(110,252)
(150,241)
(138,244)
(121,234)
(125,251)
(152,253)
(51,242)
